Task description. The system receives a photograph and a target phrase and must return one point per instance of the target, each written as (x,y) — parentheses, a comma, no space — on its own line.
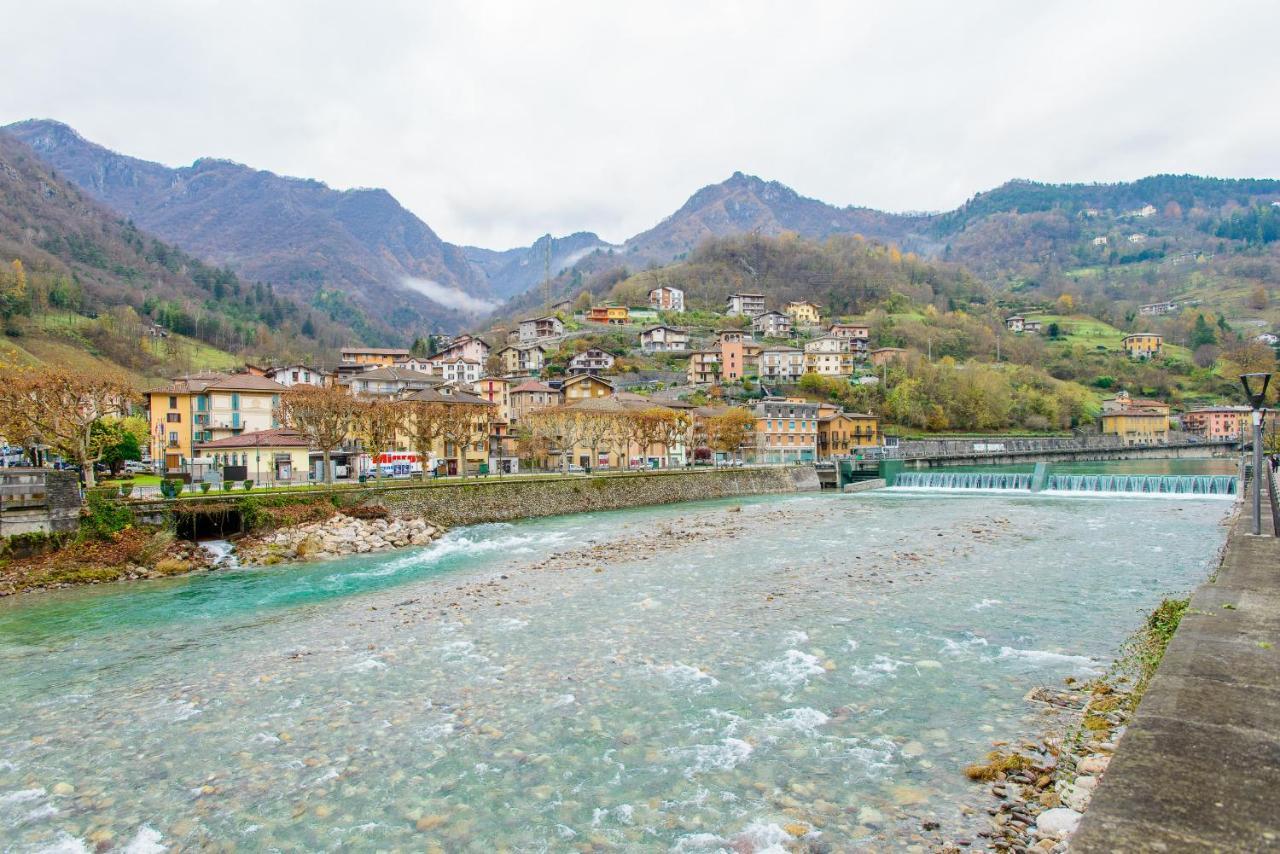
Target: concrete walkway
(1199,767)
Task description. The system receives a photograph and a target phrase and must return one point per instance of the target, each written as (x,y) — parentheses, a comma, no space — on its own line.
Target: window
(173,402)
(173,417)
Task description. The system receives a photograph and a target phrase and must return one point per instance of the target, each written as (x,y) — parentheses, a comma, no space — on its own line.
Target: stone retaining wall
(503,501)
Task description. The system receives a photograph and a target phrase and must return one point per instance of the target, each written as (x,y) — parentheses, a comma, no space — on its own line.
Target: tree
(121,440)
(729,431)
(559,427)
(423,423)
(1202,333)
(459,423)
(378,422)
(419,349)
(59,408)
(325,416)
(1066,304)
(1258,298)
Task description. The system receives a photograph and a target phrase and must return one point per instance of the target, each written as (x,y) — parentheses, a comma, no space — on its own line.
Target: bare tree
(59,408)
(378,422)
(459,424)
(422,419)
(325,416)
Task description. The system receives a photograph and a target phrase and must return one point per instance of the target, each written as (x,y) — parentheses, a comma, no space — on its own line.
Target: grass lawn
(136,480)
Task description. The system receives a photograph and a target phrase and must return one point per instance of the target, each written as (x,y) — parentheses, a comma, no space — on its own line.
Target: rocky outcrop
(338,536)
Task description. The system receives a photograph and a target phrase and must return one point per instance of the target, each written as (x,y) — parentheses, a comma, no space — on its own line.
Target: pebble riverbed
(803,672)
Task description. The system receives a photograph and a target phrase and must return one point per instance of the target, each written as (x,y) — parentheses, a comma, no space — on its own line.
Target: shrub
(205,486)
(178,486)
(103,515)
(248,485)
(227,484)
(126,489)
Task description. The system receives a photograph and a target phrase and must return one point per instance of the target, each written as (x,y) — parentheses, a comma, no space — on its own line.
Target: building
(205,407)
(1143,345)
(585,387)
(733,357)
(263,456)
(853,331)
(704,367)
(390,382)
(539,329)
(884,355)
(478,448)
(771,324)
(780,364)
(1123,400)
(1100,240)
(804,313)
(464,347)
(416,363)
(1032,325)
(1136,426)
(1137,238)
(530,396)
(664,339)
(497,391)
(1155,309)
(1271,339)
(376,356)
(522,359)
(829,356)
(616,315)
(786,430)
(1015,322)
(591,361)
(748,304)
(1217,423)
(667,298)
(842,434)
(291,375)
(459,371)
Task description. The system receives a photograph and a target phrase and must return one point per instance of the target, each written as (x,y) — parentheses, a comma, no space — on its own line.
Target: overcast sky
(498,122)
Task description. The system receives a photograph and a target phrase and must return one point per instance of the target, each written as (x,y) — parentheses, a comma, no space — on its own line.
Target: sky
(498,122)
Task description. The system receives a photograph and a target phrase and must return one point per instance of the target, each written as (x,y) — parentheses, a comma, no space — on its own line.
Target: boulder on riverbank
(337,536)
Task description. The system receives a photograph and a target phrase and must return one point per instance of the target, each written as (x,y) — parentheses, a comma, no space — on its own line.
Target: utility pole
(546,272)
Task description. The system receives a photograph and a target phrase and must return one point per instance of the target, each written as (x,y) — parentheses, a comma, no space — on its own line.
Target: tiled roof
(532,385)
(435,395)
(397,374)
(278,438)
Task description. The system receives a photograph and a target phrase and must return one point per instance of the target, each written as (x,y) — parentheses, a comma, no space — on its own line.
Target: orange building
(1217,422)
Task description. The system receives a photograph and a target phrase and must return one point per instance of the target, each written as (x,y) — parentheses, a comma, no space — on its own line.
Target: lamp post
(1255,390)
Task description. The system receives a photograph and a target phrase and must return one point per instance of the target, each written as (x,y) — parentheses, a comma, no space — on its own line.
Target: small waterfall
(223,553)
(1221,485)
(965,480)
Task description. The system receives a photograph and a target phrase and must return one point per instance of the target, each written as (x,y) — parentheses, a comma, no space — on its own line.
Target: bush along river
(801,672)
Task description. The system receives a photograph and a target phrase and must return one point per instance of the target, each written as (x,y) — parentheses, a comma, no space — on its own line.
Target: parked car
(137,467)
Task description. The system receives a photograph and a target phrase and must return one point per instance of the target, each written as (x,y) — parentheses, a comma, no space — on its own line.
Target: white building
(1100,240)
(771,324)
(592,361)
(1015,322)
(748,304)
(781,364)
(291,375)
(664,339)
(540,329)
(666,298)
(460,371)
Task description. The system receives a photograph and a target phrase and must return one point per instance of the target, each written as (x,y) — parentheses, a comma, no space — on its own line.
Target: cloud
(500,121)
(449,297)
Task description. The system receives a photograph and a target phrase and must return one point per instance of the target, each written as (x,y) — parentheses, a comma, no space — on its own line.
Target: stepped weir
(1042,480)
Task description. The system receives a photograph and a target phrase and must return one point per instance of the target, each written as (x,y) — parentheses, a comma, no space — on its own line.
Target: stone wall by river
(504,501)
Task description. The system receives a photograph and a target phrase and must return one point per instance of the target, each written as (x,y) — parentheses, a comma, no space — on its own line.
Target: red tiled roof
(279,438)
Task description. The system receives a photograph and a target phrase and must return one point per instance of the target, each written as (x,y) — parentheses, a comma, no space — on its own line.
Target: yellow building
(803,313)
(615,314)
(1137,426)
(203,408)
(786,430)
(1143,345)
(585,387)
(374,356)
(844,433)
(268,456)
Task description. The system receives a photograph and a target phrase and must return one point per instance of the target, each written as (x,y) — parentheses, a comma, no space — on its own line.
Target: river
(688,677)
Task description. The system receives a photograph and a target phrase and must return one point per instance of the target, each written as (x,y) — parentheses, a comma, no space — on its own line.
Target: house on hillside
(884,355)
(616,315)
(540,329)
(584,387)
(781,364)
(829,356)
(771,324)
(522,359)
(666,298)
(704,367)
(733,354)
(804,313)
(1100,240)
(378,356)
(1156,309)
(463,347)
(291,375)
(748,304)
(459,371)
(664,339)
(1143,345)
(590,361)
(1015,322)
(531,396)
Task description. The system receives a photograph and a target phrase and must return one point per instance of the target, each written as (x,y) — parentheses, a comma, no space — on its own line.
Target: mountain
(746,204)
(514,271)
(81,260)
(337,250)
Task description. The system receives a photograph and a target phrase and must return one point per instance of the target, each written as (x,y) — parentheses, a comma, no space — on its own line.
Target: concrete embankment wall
(1199,766)
(504,501)
(494,499)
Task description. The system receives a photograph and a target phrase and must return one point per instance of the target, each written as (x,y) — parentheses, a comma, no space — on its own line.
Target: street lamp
(1255,390)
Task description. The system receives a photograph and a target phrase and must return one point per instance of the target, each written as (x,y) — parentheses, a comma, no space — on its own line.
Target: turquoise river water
(719,676)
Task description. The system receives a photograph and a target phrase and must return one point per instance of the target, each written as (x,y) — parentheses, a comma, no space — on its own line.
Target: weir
(1042,480)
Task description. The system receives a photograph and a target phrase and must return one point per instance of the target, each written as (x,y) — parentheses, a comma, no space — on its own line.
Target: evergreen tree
(1202,333)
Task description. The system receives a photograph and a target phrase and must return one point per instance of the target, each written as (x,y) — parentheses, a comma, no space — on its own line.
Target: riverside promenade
(1199,767)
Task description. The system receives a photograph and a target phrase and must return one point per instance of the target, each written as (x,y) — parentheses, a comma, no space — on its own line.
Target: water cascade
(1208,485)
(224,554)
(965,480)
